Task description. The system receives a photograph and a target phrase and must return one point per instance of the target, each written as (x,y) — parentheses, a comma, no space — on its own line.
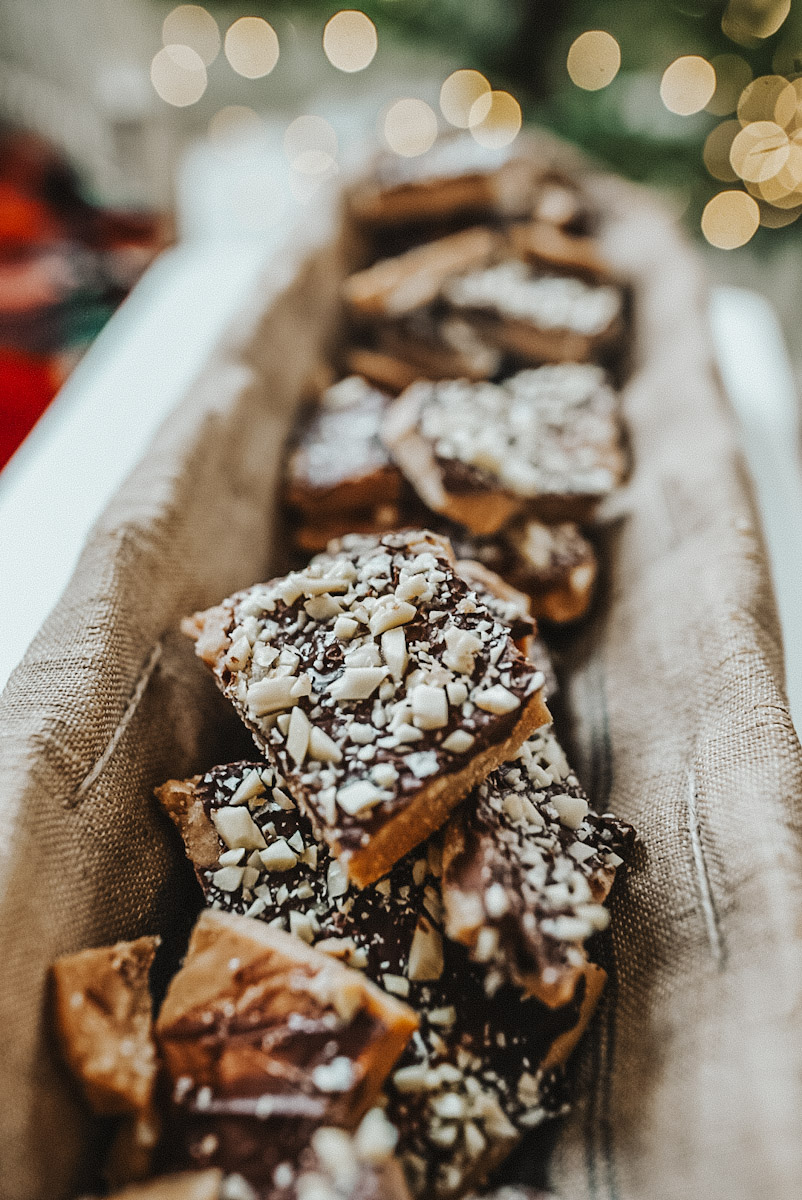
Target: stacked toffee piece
(392,970)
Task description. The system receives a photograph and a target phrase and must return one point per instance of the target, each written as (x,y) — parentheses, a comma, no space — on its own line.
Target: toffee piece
(438,347)
(536,315)
(526,868)
(545,444)
(264,1039)
(337,464)
(385,371)
(550,247)
(486,1062)
(104,1021)
(379,684)
(555,565)
(395,287)
(457,178)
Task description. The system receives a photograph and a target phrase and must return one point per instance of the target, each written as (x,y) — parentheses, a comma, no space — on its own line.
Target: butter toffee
(379,684)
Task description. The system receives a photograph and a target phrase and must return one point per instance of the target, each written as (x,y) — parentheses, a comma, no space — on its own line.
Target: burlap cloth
(689,1084)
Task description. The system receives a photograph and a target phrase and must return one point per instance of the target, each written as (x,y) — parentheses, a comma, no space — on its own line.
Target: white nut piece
(359,796)
(457,691)
(397,984)
(389,613)
(345,628)
(496,901)
(250,786)
(462,646)
(429,706)
(384,775)
(271,695)
(496,699)
(394,651)
(571,810)
(414,1078)
(323,584)
(425,953)
(320,608)
(412,587)
(278,856)
(322,748)
(357,683)
(459,742)
(239,654)
(298,736)
(237,828)
(336,879)
(301,925)
(376,1138)
(228,879)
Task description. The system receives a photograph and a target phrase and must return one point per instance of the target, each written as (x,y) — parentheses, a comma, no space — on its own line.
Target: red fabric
(27,385)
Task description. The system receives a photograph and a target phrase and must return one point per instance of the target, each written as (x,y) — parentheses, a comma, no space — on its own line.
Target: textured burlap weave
(689,1084)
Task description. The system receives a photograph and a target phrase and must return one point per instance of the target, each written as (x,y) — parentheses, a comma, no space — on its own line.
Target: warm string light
(495,119)
(178,75)
(716,153)
(350,40)
(191,25)
(733,73)
(763,148)
(251,47)
(594,60)
(748,23)
(458,95)
(730,219)
(688,84)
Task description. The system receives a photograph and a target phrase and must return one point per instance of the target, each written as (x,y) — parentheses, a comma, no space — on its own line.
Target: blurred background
(128,124)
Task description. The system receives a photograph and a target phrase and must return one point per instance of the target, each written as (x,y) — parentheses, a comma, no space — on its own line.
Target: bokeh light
(178,75)
(762,98)
(310,144)
(251,47)
(760,151)
(350,40)
(594,60)
(191,25)
(782,189)
(410,127)
(716,153)
(776,218)
(233,122)
(495,119)
(733,73)
(747,23)
(458,95)
(687,85)
(730,219)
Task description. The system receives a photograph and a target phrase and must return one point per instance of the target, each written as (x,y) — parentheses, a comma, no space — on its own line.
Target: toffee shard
(456,180)
(545,444)
(527,866)
(354,676)
(104,1022)
(554,565)
(339,478)
(264,1040)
